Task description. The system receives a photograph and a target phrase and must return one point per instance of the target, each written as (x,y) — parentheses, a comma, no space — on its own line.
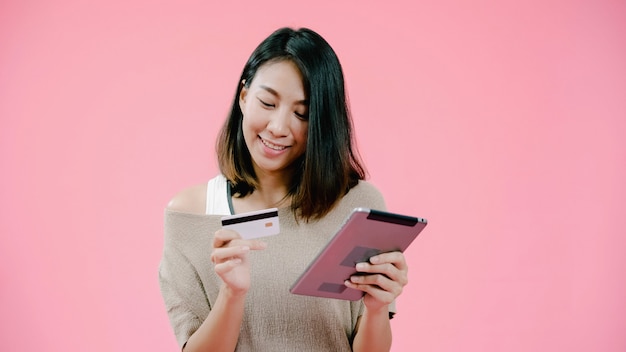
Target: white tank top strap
(217,196)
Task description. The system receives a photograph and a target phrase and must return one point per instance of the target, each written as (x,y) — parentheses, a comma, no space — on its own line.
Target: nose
(279,123)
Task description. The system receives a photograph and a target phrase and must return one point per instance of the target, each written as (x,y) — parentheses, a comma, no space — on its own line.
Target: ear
(242,96)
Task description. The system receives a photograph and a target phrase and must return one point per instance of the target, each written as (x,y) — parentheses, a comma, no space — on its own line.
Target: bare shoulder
(190,200)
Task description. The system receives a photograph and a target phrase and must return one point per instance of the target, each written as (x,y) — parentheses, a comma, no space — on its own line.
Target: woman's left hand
(382,279)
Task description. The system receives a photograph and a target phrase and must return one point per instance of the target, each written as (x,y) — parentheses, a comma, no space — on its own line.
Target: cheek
(255,117)
(249,133)
(251,122)
(302,132)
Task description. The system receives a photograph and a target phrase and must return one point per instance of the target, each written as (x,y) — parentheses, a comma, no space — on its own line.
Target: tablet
(365,233)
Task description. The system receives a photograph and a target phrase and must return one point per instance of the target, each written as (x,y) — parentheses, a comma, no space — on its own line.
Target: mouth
(272,145)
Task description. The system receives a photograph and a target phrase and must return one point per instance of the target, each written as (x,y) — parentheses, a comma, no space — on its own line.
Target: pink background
(501,122)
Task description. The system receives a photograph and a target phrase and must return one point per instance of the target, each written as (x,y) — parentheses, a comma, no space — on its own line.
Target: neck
(272,192)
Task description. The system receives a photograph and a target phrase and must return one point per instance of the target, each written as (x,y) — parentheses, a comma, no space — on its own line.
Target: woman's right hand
(230,257)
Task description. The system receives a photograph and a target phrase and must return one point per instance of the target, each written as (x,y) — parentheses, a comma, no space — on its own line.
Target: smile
(272,145)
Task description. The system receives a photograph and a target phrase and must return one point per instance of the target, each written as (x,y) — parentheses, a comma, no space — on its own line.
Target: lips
(272,145)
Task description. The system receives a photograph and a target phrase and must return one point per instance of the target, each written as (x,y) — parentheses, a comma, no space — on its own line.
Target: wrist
(230,294)
(376,311)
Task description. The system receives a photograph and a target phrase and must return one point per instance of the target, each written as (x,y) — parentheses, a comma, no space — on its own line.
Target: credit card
(254,224)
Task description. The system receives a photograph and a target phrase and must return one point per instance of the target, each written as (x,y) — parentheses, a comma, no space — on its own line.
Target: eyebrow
(275,93)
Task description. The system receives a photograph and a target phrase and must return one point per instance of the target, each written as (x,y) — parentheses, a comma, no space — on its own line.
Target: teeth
(272,146)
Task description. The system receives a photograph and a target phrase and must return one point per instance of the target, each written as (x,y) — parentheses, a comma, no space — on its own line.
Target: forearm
(373,332)
(220,330)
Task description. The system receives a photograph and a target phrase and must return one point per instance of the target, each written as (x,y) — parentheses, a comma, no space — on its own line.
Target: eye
(266,104)
(304,116)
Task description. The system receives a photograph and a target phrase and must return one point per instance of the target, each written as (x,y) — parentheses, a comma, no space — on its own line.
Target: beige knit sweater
(274,319)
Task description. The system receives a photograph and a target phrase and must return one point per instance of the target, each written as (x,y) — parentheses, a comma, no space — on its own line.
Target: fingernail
(361,266)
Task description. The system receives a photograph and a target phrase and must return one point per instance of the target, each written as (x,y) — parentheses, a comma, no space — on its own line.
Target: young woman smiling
(288,144)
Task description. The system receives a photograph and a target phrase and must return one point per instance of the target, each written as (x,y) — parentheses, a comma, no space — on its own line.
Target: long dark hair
(330,166)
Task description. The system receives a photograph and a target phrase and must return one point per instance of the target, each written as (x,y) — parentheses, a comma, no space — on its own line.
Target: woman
(286,144)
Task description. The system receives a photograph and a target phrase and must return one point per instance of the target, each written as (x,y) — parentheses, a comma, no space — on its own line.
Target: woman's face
(275,121)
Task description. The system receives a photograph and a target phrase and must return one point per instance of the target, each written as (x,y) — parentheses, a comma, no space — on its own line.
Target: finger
(223,236)
(252,244)
(221,254)
(227,265)
(379,281)
(396,258)
(255,244)
(236,248)
(387,269)
(377,285)
(375,291)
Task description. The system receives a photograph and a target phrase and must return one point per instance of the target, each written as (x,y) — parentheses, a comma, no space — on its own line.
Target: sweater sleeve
(180,282)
